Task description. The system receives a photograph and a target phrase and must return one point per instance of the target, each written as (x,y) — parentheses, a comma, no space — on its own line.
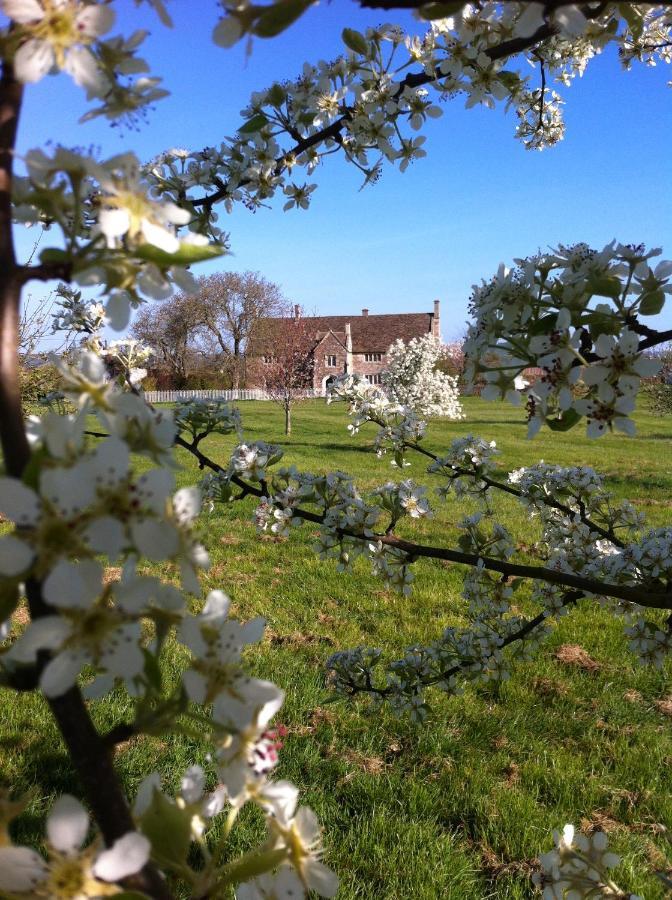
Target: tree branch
(643,596)
(45,272)
(90,757)
(413,80)
(568,600)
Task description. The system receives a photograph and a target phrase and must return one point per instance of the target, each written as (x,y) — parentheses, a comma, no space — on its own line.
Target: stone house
(347,344)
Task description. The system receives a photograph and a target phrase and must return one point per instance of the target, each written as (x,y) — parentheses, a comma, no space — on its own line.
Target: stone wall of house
(360,365)
(329,346)
(364,335)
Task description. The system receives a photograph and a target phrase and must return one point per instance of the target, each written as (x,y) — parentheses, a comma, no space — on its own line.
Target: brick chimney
(365,312)
(436,321)
(297,311)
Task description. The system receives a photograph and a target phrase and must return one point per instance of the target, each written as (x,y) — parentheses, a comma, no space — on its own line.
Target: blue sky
(477,199)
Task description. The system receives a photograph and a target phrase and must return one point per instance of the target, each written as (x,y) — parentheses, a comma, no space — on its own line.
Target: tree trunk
(288,418)
(236,363)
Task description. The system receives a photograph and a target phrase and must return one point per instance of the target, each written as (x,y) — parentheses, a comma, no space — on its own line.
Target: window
(374,379)
(268,358)
(330,361)
(373,357)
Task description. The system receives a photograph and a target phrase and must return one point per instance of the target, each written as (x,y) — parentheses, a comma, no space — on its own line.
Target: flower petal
(67,824)
(187,504)
(125,857)
(81,64)
(23,11)
(21,869)
(33,60)
(73,585)
(95,19)
(155,540)
(320,879)
(46,633)
(61,673)
(18,502)
(15,556)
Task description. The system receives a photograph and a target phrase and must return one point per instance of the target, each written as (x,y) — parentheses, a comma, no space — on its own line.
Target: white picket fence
(240,394)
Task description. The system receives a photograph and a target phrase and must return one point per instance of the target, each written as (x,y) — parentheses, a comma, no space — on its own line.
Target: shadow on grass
(346,448)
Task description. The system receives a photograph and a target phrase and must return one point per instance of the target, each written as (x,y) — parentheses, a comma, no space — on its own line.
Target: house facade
(354,345)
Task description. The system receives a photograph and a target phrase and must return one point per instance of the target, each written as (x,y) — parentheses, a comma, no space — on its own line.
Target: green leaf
(31,474)
(564,421)
(254,864)
(256,123)
(187,254)
(276,95)
(355,41)
(279,17)
(510,80)
(429,11)
(168,828)
(544,325)
(605,285)
(651,303)
(53,255)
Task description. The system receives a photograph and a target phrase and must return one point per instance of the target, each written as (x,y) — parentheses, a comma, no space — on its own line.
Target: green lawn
(461,806)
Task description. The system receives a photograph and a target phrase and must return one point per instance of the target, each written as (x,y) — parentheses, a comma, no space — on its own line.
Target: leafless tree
(225,311)
(288,361)
(169,329)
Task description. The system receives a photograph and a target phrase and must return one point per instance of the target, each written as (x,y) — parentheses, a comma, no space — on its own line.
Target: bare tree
(288,360)
(169,329)
(35,323)
(225,311)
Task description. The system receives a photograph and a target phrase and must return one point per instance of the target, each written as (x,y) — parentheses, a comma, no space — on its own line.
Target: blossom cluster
(411,378)
(80,504)
(113,233)
(79,509)
(378,107)
(574,315)
(583,531)
(579,867)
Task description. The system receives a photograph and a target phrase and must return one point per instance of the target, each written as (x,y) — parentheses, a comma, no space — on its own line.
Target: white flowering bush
(412,379)
(579,315)
(77,499)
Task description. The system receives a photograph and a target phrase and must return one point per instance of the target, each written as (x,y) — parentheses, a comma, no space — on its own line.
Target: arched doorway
(327,382)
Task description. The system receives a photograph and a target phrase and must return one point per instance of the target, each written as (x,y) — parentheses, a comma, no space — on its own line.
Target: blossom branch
(412,80)
(643,596)
(352,688)
(607,533)
(89,755)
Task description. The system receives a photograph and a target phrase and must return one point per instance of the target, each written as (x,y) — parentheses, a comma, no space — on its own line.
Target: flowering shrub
(135,230)
(413,380)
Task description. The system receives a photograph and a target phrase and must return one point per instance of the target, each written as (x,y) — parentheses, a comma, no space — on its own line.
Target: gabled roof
(369,333)
(339,336)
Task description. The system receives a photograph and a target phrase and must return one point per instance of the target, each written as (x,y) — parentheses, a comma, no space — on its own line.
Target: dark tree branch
(45,272)
(413,80)
(90,757)
(606,533)
(643,596)
(568,600)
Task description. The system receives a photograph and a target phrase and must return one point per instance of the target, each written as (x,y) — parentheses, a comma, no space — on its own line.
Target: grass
(462,806)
